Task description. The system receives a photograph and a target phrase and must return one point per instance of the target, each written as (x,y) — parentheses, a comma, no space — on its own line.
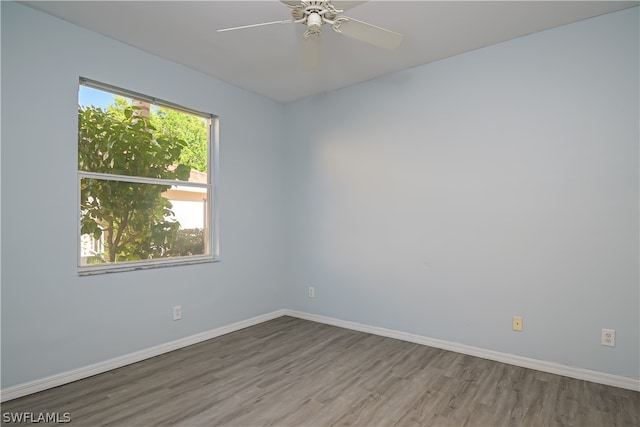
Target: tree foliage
(187,127)
(177,124)
(189,241)
(134,219)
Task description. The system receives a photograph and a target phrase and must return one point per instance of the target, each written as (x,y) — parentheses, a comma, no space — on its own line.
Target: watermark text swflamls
(36,417)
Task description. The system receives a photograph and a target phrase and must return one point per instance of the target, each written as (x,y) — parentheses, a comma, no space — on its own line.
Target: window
(146,176)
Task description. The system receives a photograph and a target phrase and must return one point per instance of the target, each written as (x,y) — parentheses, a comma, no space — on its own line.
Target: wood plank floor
(292,372)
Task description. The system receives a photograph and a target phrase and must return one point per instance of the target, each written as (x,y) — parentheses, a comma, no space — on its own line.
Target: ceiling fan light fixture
(314,21)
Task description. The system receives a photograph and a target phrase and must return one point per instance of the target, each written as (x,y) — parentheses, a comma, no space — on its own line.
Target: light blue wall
(446,199)
(53,320)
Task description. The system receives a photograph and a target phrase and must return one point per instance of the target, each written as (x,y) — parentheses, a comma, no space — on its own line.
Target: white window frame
(213,209)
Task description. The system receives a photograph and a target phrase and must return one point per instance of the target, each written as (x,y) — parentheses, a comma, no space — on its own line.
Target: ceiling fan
(316,13)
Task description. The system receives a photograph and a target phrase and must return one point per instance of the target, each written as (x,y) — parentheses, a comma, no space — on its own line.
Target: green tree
(189,241)
(134,219)
(116,110)
(187,127)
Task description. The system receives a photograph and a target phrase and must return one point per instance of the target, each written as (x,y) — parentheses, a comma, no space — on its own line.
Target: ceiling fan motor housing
(314,13)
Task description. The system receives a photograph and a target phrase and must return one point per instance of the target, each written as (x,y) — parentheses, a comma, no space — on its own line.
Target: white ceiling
(267,59)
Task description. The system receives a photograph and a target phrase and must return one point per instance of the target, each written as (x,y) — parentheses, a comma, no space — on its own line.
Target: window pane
(130,221)
(125,136)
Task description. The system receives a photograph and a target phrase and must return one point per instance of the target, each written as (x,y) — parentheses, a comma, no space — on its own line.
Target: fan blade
(286,21)
(346,5)
(311,53)
(369,33)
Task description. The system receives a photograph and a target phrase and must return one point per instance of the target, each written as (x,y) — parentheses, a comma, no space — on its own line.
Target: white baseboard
(512,359)
(100,367)
(554,368)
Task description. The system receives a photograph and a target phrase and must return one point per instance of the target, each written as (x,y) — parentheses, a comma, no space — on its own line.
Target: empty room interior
(410,213)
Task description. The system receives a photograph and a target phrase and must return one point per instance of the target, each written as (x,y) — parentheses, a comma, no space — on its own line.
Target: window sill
(135,266)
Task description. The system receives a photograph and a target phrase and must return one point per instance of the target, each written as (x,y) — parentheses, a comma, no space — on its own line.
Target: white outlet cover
(608,337)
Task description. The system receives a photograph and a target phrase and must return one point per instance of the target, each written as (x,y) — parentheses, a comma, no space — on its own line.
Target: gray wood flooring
(292,372)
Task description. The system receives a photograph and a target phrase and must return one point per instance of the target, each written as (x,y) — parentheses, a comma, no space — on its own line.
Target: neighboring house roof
(197,176)
(194,175)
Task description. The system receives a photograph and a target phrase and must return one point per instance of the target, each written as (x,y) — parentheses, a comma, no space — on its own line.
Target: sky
(90,96)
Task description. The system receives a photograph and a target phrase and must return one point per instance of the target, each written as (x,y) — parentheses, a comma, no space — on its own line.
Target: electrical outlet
(177,312)
(608,337)
(312,292)
(517,323)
